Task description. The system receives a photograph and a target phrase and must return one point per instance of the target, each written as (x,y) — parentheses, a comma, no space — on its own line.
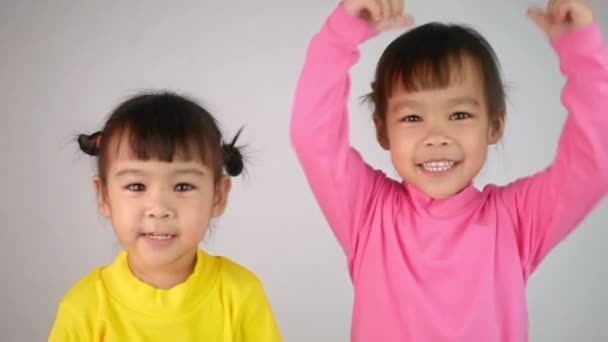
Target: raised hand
(562,16)
(383,15)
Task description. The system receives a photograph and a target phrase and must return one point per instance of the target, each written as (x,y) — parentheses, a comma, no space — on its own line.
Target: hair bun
(88,143)
(233,158)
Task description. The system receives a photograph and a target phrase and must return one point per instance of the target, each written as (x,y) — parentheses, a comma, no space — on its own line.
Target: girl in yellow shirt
(163,174)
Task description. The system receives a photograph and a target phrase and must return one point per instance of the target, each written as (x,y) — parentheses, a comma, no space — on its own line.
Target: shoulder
(506,192)
(86,288)
(237,275)
(76,307)
(492,189)
(237,281)
(506,199)
(252,310)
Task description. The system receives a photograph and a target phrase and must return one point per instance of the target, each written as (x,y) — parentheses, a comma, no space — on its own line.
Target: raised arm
(343,184)
(549,205)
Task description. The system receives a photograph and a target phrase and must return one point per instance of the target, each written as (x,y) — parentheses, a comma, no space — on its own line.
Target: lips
(438,166)
(158,236)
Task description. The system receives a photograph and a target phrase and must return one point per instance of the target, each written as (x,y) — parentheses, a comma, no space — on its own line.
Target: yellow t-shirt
(221,301)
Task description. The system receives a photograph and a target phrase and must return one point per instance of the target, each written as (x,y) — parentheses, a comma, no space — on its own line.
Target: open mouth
(438,166)
(158,237)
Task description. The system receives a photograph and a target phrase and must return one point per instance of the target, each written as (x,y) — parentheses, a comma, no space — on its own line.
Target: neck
(164,276)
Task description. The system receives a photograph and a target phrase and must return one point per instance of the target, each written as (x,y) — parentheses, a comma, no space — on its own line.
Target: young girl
(432,258)
(160,181)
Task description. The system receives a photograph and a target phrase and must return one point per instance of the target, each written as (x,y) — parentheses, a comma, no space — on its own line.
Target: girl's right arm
(345,187)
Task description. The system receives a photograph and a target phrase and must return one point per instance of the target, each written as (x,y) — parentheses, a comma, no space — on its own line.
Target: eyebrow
(182,171)
(405,103)
(462,100)
(189,171)
(127,172)
(468,100)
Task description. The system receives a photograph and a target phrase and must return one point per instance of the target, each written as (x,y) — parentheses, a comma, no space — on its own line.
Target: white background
(65,64)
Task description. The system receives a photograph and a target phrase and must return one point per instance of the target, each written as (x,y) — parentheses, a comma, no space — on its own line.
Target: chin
(438,191)
(440,195)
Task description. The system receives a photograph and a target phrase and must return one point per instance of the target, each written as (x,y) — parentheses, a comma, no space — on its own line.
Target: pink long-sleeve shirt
(430,270)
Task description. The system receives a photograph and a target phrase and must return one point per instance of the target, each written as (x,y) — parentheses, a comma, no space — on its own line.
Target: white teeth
(159,236)
(438,166)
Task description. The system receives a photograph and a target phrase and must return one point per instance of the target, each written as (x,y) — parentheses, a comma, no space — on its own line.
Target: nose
(159,207)
(437,137)
(159,212)
(436,141)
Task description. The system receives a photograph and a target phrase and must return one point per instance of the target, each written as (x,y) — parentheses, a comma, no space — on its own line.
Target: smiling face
(438,138)
(159,210)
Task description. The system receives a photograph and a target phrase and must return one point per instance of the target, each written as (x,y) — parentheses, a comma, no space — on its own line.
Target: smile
(438,166)
(155,236)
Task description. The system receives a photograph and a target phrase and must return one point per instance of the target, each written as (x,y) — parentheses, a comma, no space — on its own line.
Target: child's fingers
(398,8)
(374,7)
(577,11)
(554,4)
(386,9)
(390,8)
(383,26)
(539,17)
(403,21)
(582,11)
(408,20)
(561,12)
(395,23)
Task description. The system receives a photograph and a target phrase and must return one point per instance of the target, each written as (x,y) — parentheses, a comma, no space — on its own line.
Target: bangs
(424,72)
(165,128)
(162,144)
(434,56)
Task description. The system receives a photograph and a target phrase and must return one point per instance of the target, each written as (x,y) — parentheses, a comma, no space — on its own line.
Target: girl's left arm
(547,206)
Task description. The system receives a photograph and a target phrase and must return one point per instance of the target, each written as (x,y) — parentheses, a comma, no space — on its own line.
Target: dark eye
(460,116)
(411,118)
(136,187)
(183,187)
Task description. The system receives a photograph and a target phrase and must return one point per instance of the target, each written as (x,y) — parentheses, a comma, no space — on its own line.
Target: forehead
(123,145)
(465,80)
(120,155)
(157,169)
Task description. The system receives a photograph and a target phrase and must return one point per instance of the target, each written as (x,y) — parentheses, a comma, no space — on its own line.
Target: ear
(381,132)
(102,198)
(221,196)
(496,129)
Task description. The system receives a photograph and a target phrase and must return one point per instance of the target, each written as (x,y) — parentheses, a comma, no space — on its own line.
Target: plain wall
(65,64)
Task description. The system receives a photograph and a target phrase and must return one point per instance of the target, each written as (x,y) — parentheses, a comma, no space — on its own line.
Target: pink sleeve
(547,206)
(343,184)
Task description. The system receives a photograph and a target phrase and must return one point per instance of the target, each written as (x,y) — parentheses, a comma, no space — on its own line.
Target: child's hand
(383,15)
(562,16)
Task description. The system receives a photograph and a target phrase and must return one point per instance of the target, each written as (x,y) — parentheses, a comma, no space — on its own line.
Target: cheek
(476,146)
(198,206)
(121,200)
(195,217)
(125,207)
(475,134)
(403,153)
(404,139)
(125,213)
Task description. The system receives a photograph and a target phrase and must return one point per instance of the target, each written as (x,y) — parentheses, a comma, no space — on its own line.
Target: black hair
(161,126)
(425,58)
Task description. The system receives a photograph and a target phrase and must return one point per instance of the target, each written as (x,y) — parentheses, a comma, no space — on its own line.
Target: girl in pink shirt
(432,258)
